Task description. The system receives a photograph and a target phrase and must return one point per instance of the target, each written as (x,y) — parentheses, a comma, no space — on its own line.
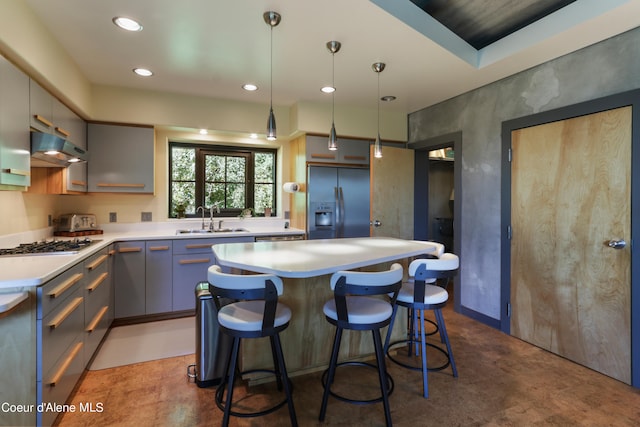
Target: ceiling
(481,23)
(210,48)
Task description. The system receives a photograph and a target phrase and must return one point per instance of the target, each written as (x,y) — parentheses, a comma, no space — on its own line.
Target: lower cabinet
(73,313)
(158,276)
(98,301)
(191,260)
(129,279)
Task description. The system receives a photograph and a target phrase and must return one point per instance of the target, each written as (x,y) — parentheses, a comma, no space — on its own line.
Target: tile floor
(502,382)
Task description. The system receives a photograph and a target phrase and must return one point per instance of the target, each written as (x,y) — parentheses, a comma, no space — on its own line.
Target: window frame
(201,151)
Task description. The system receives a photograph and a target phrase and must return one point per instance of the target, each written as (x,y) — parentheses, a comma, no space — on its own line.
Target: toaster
(77,222)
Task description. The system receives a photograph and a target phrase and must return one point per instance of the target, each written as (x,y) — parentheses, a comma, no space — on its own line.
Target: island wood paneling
(570,195)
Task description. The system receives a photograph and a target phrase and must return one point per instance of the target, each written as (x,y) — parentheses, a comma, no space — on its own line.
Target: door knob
(375,223)
(617,244)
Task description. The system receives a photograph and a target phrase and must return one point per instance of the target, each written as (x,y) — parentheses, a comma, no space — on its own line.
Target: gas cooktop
(49,247)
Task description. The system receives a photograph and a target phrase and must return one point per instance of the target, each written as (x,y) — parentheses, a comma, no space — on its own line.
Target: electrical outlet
(113,217)
(145,217)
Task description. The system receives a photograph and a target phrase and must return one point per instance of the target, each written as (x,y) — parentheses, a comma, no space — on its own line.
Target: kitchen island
(305,267)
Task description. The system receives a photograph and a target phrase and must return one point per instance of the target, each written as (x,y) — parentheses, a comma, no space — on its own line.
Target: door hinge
(510,155)
(509,309)
(509,232)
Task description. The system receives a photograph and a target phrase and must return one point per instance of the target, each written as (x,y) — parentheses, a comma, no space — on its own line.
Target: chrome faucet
(200,208)
(211,210)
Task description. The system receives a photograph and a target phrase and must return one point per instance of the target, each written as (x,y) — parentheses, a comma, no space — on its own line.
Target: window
(231,178)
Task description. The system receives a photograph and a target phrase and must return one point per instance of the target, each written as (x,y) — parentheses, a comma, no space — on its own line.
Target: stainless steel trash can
(212,346)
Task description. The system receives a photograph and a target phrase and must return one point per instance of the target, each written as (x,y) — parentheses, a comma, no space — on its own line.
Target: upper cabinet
(122,158)
(49,115)
(350,151)
(15,146)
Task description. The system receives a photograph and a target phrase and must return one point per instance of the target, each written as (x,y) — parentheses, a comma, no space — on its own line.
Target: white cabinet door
(15,145)
(121,159)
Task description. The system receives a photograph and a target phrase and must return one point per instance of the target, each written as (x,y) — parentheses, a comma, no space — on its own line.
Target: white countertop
(308,258)
(19,272)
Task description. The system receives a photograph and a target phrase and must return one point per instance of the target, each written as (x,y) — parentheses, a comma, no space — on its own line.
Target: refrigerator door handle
(341,204)
(336,227)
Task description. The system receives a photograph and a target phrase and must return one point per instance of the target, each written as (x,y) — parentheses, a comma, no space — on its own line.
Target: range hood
(48,150)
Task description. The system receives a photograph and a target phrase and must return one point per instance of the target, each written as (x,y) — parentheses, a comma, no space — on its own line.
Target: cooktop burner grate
(49,247)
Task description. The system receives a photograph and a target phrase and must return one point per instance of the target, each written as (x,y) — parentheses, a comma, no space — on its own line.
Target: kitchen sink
(207,231)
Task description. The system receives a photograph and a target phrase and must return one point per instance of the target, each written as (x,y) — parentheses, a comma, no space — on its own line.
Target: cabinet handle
(57,321)
(124,250)
(107,184)
(322,156)
(194,261)
(95,264)
(158,248)
(97,319)
(92,287)
(62,287)
(198,246)
(17,172)
(355,157)
(81,183)
(65,365)
(62,132)
(42,120)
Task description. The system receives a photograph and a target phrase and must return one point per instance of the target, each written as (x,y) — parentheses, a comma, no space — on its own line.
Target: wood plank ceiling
(481,23)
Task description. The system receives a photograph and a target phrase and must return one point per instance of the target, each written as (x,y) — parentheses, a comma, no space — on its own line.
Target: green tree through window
(231,178)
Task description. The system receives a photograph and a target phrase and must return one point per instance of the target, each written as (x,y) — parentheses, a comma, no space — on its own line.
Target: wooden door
(570,195)
(392,193)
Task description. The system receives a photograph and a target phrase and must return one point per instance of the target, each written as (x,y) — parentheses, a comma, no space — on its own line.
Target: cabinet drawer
(193,246)
(95,330)
(97,294)
(59,329)
(56,291)
(65,373)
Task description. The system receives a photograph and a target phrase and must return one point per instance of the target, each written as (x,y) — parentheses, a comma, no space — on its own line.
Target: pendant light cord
(271,69)
(378,103)
(333,84)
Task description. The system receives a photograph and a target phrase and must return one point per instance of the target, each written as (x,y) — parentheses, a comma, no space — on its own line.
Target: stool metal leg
(285,378)
(276,364)
(423,343)
(387,340)
(231,375)
(382,374)
(445,337)
(332,372)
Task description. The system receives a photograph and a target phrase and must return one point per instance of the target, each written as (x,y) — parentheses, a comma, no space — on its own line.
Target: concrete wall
(606,68)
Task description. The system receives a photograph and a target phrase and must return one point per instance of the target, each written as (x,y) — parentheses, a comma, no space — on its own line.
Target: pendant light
(272,19)
(378,67)
(333,47)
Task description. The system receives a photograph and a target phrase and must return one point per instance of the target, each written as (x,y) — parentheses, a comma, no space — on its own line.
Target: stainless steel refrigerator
(338,202)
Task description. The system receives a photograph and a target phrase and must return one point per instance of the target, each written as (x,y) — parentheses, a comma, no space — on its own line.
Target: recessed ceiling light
(388,98)
(250,87)
(127,23)
(328,89)
(143,72)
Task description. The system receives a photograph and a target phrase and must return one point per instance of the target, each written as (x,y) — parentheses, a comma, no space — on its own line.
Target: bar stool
(255,314)
(355,307)
(419,295)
